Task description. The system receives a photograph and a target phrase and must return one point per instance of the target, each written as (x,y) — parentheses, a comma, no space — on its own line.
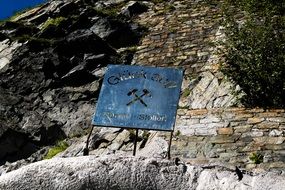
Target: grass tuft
(53,21)
(59,147)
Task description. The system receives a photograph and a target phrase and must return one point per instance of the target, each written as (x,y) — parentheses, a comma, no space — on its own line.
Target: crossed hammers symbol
(138,98)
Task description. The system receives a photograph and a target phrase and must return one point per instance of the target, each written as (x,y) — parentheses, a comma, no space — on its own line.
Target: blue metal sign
(139,97)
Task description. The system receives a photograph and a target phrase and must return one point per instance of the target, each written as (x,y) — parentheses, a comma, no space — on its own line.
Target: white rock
(6,52)
(111,172)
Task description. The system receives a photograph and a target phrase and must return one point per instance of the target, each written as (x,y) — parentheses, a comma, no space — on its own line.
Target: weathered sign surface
(139,97)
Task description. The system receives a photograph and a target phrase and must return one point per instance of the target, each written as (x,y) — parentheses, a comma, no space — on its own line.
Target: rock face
(52,60)
(112,172)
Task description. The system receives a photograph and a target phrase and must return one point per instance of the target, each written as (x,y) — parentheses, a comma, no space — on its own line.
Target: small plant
(186,93)
(144,138)
(256,158)
(177,133)
(53,21)
(132,134)
(59,147)
(145,135)
(108,12)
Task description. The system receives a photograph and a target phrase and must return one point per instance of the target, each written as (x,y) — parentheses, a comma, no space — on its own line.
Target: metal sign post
(138,97)
(135,142)
(169,145)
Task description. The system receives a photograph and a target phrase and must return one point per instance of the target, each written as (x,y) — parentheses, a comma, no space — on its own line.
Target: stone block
(277,165)
(191,53)
(252,147)
(222,139)
(192,121)
(267,125)
(256,133)
(185,130)
(254,120)
(225,131)
(277,110)
(275,133)
(205,131)
(235,109)
(269,140)
(228,116)
(274,147)
(242,129)
(280,158)
(255,110)
(197,112)
(237,123)
(233,146)
(267,156)
(276,119)
(181,112)
(267,114)
(200,54)
(182,57)
(210,119)
(243,117)
(228,154)
(246,139)
(195,139)
(218,125)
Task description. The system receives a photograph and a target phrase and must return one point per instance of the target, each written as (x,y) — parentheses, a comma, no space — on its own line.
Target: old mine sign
(139,97)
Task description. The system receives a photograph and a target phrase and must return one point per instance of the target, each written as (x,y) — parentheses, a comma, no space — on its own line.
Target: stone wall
(185,34)
(230,137)
(211,127)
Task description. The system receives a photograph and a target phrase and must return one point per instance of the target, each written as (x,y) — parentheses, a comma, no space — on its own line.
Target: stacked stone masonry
(211,127)
(231,136)
(186,34)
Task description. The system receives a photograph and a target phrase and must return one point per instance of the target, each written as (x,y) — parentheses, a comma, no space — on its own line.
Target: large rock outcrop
(52,59)
(112,172)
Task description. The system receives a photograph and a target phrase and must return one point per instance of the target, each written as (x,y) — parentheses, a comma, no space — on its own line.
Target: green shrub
(260,7)
(255,55)
(256,158)
(59,147)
